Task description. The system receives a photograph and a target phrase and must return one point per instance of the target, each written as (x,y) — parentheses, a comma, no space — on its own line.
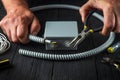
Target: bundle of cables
(4,43)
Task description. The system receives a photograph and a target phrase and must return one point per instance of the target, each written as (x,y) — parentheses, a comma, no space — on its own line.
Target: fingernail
(83,19)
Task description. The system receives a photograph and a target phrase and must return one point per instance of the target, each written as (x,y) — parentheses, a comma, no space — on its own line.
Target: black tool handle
(88,17)
(97,29)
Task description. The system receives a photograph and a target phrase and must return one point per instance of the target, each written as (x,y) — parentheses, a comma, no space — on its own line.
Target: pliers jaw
(77,40)
(81,37)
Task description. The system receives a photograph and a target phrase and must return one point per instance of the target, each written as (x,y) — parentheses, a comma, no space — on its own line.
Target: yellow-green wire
(6,60)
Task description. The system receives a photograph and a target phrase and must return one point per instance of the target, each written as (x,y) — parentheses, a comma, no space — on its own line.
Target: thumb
(35,26)
(84,10)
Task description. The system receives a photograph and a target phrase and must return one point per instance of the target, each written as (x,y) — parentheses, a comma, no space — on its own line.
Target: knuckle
(22,19)
(10,19)
(4,22)
(30,14)
(109,6)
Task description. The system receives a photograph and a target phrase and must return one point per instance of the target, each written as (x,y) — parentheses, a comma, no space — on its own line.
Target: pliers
(81,36)
(84,33)
(114,62)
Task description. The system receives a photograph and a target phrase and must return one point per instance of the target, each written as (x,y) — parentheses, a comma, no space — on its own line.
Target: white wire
(4,43)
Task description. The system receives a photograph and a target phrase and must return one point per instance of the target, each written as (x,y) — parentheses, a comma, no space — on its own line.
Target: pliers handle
(84,33)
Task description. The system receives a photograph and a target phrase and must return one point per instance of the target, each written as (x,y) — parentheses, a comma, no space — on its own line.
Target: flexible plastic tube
(68,56)
(55,6)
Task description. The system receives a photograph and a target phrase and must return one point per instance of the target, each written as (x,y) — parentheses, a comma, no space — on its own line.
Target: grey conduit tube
(68,56)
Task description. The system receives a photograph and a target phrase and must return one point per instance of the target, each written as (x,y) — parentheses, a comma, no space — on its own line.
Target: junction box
(61,32)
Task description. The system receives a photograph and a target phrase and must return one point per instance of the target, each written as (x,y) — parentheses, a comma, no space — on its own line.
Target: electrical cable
(67,56)
(4,44)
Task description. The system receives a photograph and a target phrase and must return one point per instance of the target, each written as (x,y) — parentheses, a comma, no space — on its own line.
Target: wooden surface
(28,68)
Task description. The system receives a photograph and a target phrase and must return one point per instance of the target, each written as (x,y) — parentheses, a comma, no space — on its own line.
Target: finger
(35,27)
(109,21)
(117,28)
(85,9)
(22,33)
(14,37)
(5,30)
(8,33)
(117,23)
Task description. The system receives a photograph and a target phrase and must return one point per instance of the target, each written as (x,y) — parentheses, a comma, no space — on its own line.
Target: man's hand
(110,10)
(19,23)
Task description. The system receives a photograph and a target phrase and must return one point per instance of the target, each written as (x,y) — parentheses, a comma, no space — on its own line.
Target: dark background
(28,68)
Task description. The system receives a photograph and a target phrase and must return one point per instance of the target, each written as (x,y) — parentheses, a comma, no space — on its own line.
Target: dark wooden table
(28,68)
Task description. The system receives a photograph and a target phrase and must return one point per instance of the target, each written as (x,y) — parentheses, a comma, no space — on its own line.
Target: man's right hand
(17,23)
(111,13)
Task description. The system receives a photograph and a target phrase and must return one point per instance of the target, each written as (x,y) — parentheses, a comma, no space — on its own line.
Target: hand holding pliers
(84,33)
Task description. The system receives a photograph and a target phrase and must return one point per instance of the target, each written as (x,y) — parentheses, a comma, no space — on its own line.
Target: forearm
(11,4)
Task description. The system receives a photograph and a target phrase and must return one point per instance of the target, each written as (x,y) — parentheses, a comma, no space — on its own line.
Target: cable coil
(66,56)
(4,43)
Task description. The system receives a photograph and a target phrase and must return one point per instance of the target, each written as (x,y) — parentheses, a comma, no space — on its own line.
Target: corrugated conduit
(67,56)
